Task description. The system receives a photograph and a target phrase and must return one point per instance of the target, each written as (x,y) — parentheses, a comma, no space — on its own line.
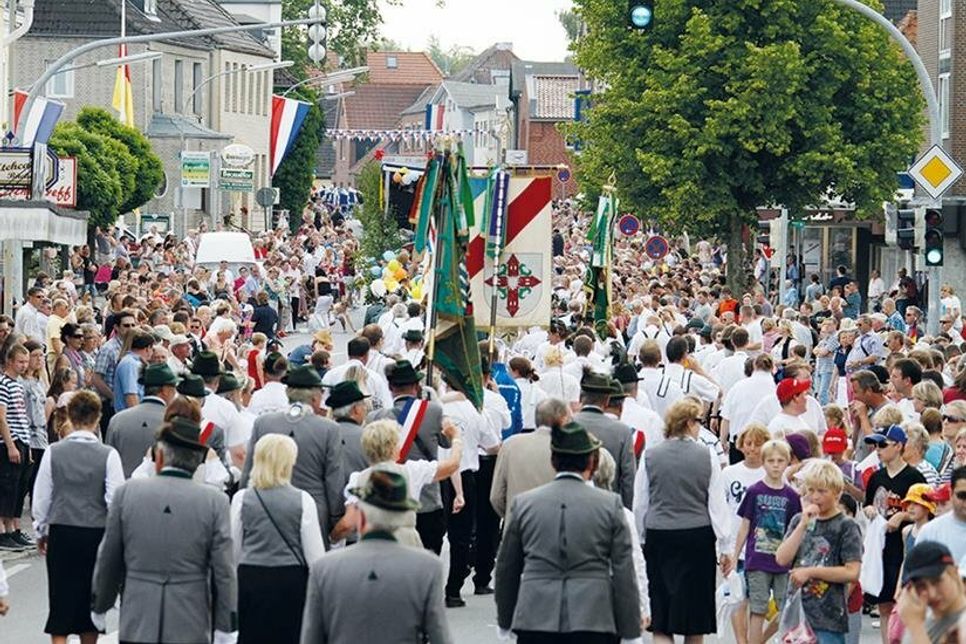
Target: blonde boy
(765,513)
(824,548)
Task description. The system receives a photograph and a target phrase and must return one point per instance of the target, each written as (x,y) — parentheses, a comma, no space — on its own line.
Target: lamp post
(110,62)
(215,201)
(341,76)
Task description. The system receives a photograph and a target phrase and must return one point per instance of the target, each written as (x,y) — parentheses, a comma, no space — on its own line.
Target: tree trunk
(737,274)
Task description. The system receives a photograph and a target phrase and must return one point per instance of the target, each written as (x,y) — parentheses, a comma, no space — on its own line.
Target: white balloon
(378,288)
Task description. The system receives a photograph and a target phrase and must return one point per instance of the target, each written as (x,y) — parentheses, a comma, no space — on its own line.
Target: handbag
(295,553)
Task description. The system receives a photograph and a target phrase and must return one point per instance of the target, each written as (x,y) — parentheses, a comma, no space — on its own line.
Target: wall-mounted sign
(16,168)
(235,180)
(195,169)
(61,187)
(238,155)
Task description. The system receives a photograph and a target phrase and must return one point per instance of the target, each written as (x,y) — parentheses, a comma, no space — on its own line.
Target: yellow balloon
(391,285)
(417,292)
(393,265)
(400,274)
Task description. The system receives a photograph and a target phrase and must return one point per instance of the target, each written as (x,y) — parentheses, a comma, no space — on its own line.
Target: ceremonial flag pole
(497,213)
(438,165)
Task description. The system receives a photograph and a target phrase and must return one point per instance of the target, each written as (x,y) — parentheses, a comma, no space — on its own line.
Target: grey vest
(262,545)
(678,473)
(78,469)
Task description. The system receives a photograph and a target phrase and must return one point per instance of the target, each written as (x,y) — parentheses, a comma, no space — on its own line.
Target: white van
(231,247)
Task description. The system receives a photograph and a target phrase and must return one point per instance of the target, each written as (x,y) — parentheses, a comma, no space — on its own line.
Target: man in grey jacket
(403,584)
(616,437)
(565,573)
(132,431)
(318,467)
(168,545)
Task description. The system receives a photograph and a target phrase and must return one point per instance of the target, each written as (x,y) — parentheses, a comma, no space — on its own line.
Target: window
(258,93)
(945,26)
(178,86)
(243,90)
(392,62)
(151,8)
(234,88)
(944,104)
(156,85)
(228,84)
(61,85)
(197,78)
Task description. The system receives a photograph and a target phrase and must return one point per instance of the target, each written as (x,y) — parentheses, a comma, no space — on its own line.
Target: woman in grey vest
(75,483)
(276,534)
(680,508)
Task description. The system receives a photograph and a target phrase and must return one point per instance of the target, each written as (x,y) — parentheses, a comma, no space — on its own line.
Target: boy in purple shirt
(765,512)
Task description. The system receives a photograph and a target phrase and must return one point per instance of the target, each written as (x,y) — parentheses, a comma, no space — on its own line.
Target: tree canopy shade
(117,171)
(726,106)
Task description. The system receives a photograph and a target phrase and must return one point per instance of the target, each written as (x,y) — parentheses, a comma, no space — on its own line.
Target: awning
(42,221)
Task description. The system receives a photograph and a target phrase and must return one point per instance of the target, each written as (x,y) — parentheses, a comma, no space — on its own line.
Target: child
(737,479)
(856,599)
(825,549)
(766,512)
(254,359)
(835,444)
(920,510)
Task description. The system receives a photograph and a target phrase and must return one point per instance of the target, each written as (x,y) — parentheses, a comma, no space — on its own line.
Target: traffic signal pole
(933,273)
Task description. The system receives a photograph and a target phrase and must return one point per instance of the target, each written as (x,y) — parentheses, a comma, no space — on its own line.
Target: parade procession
(354,322)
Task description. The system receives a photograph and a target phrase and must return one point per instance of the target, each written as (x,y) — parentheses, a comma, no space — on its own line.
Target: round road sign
(656,247)
(265,197)
(563,175)
(629,225)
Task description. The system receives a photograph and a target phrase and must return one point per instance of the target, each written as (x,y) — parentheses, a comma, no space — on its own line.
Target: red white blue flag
(288,115)
(41,119)
(434,117)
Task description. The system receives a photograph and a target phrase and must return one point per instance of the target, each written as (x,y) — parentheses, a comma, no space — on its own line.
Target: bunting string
(399,135)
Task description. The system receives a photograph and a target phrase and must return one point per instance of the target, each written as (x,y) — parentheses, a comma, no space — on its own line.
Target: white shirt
(224,414)
(544,348)
(643,420)
(755,334)
(557,383)
(721,517)
(476,431)
(531,395)
(378,386)
(31,323)
(531,342)
(496,411)
(576,367)
(43,493)
(737,479)
(738,404)
(730,370)
(311,534)
(691,382)
(270,398)
(418,475)
(769,407)
(783,424)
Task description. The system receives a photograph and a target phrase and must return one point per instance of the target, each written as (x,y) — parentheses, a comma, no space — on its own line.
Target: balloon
(375,271)
(391,285)
(397,178)
(378,288)
(386,273)
(389,255)
(416,292)
(400,274)
(393,265)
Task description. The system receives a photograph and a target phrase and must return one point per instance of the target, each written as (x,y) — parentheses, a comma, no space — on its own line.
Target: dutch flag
(41,119)
(288,115)
(434,117)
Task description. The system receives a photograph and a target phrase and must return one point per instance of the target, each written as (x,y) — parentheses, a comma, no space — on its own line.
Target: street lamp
(340,76)
(108,62)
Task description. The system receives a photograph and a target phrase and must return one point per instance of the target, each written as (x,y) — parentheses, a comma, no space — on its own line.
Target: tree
(379,231)
(727,106)
(571,23)
(450,61)
(117,171)
(297,171)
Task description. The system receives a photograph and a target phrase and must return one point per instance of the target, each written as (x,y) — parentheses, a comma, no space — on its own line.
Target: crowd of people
(620,477)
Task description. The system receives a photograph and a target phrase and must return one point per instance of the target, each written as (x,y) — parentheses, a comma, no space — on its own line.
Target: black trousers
(461,528)
(487,524)
(431,527)
(576,637)
(14,481)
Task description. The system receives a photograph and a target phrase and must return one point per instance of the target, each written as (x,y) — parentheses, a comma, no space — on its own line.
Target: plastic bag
(729,596)
(793,627)
(871,573)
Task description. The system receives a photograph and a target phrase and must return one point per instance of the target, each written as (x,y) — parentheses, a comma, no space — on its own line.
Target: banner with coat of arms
(525,272)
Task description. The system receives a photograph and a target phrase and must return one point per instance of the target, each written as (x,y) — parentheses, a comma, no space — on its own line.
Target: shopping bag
(793,627)
(870,576)
(728,597)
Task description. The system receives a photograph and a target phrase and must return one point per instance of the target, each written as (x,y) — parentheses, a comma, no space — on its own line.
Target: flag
(455,348)
(41,119)
(523,277)
(597,280)
(288,115)
(434,117)
(427,188)
(123,99)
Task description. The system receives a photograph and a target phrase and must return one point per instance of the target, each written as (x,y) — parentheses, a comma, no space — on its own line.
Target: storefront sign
(238,155)
(195,169)
(16,168)
(235,180)
(62,192)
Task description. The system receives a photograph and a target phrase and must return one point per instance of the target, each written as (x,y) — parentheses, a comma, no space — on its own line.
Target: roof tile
(554,97)
(378,106)
(412,68)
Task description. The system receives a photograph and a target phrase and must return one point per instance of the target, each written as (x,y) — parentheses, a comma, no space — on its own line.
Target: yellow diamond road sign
(935,171)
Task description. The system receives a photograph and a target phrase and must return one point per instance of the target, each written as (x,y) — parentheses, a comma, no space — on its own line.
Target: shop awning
(42,221)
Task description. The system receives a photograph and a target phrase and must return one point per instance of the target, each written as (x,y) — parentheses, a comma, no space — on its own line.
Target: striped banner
(288,115)
(434,117)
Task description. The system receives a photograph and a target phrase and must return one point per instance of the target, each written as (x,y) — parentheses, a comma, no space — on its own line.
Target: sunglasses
(953,419)
(884,445)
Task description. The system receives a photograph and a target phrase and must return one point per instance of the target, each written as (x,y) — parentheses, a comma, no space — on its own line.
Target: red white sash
(411,417)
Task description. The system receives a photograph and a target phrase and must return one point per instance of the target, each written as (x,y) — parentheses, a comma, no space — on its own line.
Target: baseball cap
(790,387)
(835,441)
(892,433)
(927,559)
(917,494)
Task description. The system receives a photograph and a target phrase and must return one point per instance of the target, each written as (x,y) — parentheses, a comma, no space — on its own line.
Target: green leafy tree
(727,106)
(451,60)
(297,171)
(379,232)
(571,23)
(148,172)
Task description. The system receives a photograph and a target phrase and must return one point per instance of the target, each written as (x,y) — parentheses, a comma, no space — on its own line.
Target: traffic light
(906,228)
(933,239)
(640,14)
(317,34)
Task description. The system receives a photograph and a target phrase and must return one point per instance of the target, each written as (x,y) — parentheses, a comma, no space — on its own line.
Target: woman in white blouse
(276,535)
(531,394)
